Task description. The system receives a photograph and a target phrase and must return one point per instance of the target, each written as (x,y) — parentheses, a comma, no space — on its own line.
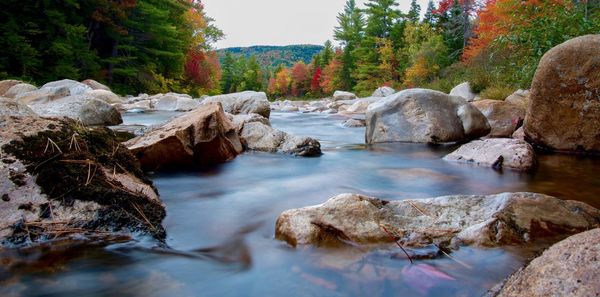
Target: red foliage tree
(315,83)
(300,79)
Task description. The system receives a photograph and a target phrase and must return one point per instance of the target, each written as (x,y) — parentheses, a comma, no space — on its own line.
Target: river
(221,223)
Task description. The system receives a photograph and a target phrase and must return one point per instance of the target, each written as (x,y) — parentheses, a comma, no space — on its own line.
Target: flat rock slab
(568,268)
(494,220)
(498,153)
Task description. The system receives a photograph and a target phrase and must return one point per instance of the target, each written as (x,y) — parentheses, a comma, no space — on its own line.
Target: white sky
(279,22)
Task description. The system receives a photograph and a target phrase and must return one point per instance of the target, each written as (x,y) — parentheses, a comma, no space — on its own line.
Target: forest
(152,46)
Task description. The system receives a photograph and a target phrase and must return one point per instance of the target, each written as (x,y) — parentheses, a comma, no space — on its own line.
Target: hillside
(272,56)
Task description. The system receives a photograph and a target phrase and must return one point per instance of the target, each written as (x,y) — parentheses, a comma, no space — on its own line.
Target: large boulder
(243,103)
(74,87)
(568,268)
(463,90)
(201,137)
(383,92)
(239,120)
(95,85)
(106,96)
(86,109)
(9,107)
(497,153)
(502,116)
(261,137)
(7,84)
(341,95)
(58,180)
(175,102)
(427,116)
(19,89)
(494,220)
(42,96)
(564,112)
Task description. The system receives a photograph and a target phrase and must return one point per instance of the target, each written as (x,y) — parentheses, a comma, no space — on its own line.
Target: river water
(221,223)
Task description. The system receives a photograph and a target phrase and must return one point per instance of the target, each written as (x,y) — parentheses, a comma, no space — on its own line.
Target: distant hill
(272,56)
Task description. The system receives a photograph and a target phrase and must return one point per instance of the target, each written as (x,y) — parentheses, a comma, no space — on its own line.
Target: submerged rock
(497,153)
(201,137)
(354,123)
(494,220)
(84,108)
(341,95)
(58,178)
(262,137)
(427,116)
(243,103)
(502,116)
(564,112)
(568,268)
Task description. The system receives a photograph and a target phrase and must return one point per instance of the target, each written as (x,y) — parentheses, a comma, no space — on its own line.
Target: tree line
(132,45)
(494,44)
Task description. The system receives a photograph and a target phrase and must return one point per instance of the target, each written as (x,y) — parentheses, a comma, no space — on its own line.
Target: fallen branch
(397,243)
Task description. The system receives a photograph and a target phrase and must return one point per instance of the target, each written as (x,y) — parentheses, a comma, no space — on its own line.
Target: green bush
(497,92)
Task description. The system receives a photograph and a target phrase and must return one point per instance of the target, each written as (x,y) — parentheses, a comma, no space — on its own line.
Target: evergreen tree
(414,14)
(228,68)
(349,33)
(253,75)
(454,31)
(429,17)
(327,53)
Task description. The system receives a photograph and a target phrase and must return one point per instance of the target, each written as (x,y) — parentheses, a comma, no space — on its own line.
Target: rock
(463,90)
(361,105)
(502,116)
(175,102)
(5,85)
(341,103)
(95,85)
(19,89)
(329,111)
(261,137)
(289,108)
(519,134)
(519,97)
(243,103)
(86,109)
(74,87)
(568,268)
(9,107)
(353,123)
(427,116)
(341,95)
(564,112)
(494,220)
(239,120)
(58,180)
(514,154)
(144,105)
(201,137)
(383,92)
(104,95)
(42,96)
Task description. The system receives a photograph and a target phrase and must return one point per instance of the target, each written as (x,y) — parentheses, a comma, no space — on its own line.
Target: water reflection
(220,224)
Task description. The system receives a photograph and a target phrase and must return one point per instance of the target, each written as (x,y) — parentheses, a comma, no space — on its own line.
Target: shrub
(497,92)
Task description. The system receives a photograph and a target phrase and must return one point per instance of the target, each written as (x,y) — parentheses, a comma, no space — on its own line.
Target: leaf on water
(422,277)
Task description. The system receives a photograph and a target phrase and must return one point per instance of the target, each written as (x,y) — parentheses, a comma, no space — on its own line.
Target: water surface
(221,220)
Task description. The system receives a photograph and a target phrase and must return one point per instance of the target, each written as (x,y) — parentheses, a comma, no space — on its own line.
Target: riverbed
(221,220)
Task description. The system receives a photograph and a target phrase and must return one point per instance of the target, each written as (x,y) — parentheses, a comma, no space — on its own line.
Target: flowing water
(220,225)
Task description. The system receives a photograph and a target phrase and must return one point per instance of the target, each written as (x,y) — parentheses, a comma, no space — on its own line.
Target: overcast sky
(279,22)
